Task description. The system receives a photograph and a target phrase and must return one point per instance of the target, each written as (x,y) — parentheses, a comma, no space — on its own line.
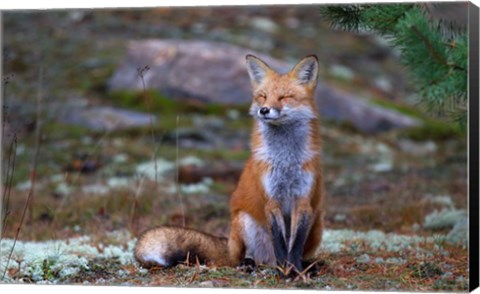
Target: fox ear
(257,69)
(306,70)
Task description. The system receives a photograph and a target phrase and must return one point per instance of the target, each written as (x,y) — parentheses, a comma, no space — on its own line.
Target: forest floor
(396,206)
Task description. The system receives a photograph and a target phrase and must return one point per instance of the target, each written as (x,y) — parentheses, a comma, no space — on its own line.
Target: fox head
(283,98)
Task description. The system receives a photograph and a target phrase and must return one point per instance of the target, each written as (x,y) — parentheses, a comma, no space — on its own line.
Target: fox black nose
(264,110)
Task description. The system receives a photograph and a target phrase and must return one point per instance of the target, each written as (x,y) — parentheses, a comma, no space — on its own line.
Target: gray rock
(206,284)
(340,106)
(415,148)
(394,260)
(104,118)
(215,73)
(459,234)
(264,24)
(443,200)
(339,217)
(446,218)
(364,258)
(342,72)
(210,122)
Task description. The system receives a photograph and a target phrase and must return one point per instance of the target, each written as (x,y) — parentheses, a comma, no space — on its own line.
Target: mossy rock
(434,130)
(155,101)
(430,129)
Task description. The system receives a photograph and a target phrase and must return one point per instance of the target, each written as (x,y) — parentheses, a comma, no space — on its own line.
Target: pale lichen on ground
(337,240)
(55,260)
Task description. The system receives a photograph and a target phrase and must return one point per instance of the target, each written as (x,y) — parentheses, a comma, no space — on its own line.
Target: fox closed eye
(261,98)
(286,97)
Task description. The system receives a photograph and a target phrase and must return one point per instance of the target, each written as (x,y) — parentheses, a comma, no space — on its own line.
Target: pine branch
(383,18)
(345,17)
(436,59)
(434,53)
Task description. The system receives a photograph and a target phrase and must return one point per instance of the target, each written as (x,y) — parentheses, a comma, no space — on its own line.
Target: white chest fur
(286,149)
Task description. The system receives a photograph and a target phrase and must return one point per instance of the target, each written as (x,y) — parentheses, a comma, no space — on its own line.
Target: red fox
(276,209)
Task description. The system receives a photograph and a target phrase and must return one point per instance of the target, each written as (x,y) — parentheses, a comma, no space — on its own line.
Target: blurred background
(125,119)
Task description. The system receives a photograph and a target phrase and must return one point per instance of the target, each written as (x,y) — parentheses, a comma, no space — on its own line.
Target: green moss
(402,108)
(434,130)
(222,272)
(155,101)
(431,129)
(169,152)
(425,270)
(48,272)
(55,131)
(150,101)
(226,154)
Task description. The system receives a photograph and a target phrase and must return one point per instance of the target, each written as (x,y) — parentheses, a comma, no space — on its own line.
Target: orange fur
(250,196)
(272,90)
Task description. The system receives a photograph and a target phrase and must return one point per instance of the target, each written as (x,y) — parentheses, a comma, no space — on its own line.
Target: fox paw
(247,265)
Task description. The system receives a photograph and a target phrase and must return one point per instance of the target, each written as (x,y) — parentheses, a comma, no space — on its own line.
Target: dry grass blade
(135,203)
(187,259)
(38,121)
(33,174)
(304,274)
(10,169)
(285,270)
(197,269)
(76,178)
(177,171)
(197,262)
(141,73)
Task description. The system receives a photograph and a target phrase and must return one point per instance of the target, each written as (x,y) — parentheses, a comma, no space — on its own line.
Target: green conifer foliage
(434,51)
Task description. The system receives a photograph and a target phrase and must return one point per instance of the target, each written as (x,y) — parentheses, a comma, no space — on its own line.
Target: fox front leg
(301,223)
(278,231)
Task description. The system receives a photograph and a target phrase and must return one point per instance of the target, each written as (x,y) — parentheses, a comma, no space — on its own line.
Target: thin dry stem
(141,73)
(75,179)
(135,202)
(4,204)
(10,169)
(33,173)
(38,121)
(177,171)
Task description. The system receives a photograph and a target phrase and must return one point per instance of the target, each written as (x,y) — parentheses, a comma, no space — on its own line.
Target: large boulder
(215,73)
(105,118)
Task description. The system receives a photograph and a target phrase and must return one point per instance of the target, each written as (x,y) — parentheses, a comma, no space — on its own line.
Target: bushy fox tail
(168,246)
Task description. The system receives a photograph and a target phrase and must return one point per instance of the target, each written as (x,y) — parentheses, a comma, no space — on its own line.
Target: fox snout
(264,110)
(268,113)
